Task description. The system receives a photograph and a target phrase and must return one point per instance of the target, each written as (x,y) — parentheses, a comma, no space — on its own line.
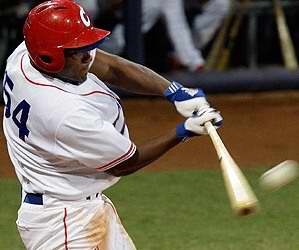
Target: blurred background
(221,45)
(244,54)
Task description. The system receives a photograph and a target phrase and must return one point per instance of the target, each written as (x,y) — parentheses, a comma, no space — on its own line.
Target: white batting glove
(195,125)
(188,101)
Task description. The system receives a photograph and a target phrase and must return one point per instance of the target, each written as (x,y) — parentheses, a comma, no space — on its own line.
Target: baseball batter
(66,132)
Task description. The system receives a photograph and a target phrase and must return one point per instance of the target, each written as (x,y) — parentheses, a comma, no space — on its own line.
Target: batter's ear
(49,61)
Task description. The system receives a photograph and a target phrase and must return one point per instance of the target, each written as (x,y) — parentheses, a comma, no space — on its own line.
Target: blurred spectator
(172,12)
(206,18)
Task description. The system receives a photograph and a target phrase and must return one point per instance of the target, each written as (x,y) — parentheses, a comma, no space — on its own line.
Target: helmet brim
(88,40)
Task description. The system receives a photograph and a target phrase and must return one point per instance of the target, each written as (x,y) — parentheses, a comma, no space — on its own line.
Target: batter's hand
(195,125)
(187,101)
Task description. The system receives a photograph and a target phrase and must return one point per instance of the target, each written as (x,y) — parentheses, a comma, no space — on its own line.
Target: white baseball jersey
(61,137)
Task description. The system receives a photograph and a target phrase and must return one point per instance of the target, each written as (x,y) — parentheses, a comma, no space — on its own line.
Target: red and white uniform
(61,137)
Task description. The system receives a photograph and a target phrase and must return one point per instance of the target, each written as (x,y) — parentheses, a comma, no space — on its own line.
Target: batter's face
(76,66)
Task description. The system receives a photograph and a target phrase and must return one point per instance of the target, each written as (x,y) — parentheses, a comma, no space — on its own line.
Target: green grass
(185,210)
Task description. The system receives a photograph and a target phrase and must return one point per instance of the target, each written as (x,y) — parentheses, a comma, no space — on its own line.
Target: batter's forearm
(146,154)
(138,78)
(127,75)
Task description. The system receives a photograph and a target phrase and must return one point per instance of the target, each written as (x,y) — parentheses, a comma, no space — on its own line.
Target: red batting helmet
(54,26)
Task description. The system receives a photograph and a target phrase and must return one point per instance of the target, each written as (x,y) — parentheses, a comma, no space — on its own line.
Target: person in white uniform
(180,34)
(206,17)
(66,132)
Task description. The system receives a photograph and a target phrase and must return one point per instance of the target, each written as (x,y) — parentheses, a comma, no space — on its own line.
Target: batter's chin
(84,77)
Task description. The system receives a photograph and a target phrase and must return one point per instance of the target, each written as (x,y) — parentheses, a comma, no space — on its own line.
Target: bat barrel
(247,210)
(242,199)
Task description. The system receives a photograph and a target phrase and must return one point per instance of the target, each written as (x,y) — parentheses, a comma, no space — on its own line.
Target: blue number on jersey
(7,81)
(22,108)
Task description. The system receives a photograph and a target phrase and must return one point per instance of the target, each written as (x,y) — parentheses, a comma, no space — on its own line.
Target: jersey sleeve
(85,137)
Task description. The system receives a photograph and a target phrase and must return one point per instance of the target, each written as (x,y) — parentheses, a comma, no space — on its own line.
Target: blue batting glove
(187,101)
(177,92)
(195,125)
(182,132)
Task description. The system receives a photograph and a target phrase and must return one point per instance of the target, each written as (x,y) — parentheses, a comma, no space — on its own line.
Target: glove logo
(85,19)
(191,92)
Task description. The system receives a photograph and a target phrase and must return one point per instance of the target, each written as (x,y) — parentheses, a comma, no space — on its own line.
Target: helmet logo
(85,19)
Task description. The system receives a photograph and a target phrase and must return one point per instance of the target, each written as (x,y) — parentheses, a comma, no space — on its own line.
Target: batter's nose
(86,57)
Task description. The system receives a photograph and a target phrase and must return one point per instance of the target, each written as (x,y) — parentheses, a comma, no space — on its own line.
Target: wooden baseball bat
(229,44)
(218,44)
(242,198)
(287,46)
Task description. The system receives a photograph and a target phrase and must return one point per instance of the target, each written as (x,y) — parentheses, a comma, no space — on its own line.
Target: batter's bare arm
(152,150)
(127,75)
(138,79)
(145,154)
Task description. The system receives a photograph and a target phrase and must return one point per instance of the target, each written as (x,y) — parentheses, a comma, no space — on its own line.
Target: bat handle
(209,127)
(219,146)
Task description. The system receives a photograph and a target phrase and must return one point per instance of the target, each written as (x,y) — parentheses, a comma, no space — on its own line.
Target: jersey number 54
(20,114)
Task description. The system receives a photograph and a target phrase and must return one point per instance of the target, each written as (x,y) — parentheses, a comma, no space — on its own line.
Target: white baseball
(280,175)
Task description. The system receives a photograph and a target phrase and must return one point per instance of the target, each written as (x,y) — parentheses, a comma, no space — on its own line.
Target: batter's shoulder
(20,50)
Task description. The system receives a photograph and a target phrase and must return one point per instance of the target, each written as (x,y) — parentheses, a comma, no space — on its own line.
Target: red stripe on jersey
(122,158)
(53,86)
(65,229)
